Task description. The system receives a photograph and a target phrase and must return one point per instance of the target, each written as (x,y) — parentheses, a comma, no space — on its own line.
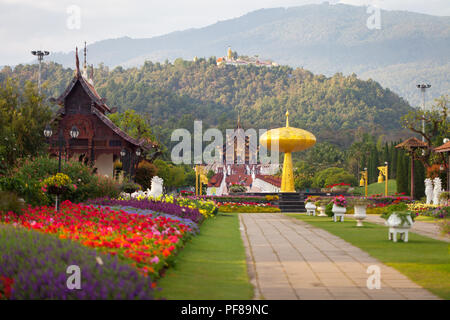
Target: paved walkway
(290,259)
(428,229)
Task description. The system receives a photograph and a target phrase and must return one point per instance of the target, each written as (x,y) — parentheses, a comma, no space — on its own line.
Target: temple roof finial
(85,75)
(77,60)
(287,118)
(239,119)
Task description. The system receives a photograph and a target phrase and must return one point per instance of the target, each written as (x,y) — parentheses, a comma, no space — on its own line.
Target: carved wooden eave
(88,88)
(444,148)
(411,144)
(141,143)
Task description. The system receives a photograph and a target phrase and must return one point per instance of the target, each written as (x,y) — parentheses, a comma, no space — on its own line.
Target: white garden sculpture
(310,208)
(338,213)
(157,187)
(429,190)
(398,226)
(437,190)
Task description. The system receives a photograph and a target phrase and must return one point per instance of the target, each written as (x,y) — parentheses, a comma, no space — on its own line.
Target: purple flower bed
(134,210)
(37,264)
(159,206)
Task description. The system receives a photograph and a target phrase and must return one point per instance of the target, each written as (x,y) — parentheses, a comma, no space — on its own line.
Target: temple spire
(239,119)
(91,76)
(77,61)
(287,118)
(85,75)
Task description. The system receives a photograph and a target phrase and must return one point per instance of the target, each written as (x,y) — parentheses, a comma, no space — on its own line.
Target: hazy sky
(46,24)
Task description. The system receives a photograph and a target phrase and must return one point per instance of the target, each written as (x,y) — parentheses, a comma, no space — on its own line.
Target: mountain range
(408,48)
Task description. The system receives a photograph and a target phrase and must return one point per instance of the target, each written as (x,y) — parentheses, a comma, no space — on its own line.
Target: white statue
(437,190)
(429,190)
(157,187)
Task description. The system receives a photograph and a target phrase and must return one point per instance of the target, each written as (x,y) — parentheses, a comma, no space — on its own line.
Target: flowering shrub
(430,210)
(312,199)
(27,177)
(57,184)
(145,241)
(382,201)
(206,207)
(186,193)
(340,201)
(342,184)
(33,265)
(237,188)
(420,208)
(247,207)
(148,204)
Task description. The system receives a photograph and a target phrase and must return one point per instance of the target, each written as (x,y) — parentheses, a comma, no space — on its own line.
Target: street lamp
(48,132)
(40,55)
(423,87)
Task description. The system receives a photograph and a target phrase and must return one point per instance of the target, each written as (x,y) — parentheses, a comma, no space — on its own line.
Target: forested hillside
(407,48)
(334,108)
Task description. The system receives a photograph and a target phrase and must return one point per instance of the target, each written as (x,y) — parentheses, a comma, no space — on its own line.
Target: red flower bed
(145,241)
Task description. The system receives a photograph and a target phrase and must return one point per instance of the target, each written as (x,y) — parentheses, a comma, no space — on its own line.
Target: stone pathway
(427,229)
(290,259)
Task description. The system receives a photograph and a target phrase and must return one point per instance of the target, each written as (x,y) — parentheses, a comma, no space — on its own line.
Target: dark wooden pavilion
(100,141)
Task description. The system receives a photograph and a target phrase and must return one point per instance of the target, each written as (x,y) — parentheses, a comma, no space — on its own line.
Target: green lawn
(424,260)
(378,188)
(212,266)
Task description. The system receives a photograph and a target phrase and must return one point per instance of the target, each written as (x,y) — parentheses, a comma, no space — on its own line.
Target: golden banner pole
(386,185)
(196,181)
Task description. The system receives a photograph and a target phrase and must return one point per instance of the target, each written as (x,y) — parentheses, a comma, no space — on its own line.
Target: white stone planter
(310,209)
(338,213)
(321,212)
(397,227)
(360,214)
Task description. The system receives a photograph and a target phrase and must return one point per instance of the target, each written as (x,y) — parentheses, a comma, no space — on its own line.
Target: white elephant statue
(429,190)
(157,187)
(437,190)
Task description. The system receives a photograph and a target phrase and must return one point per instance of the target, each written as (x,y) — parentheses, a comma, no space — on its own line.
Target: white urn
(360,214)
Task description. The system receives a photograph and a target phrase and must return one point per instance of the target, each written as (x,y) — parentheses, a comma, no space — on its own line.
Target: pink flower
(155,260)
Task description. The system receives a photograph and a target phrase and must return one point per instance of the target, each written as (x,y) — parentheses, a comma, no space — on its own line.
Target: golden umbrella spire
(289,140)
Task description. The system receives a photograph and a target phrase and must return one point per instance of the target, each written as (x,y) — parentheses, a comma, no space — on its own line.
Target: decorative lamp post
(423,87)
(138,154)
(123,154)
(40,55)
(48,132)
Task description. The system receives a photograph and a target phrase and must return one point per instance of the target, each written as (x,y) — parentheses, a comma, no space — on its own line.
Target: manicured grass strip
(378,188)
(424,260)
(212,265)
